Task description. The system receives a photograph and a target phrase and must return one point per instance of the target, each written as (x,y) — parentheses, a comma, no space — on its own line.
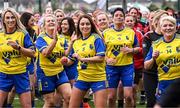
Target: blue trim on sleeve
(27,41)
(99,47)
(41,44)
(149,55)
(65,44)
(70,55)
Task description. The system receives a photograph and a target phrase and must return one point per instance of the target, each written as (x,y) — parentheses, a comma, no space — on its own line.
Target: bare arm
(48,50)
(25,51)
(95,59)
(149,63)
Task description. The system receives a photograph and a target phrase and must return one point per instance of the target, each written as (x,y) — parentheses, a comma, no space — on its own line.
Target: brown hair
(93,26)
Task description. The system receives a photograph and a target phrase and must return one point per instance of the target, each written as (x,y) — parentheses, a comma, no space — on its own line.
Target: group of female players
(66,56)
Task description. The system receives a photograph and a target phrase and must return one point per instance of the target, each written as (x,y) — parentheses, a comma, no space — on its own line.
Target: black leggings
(150,85)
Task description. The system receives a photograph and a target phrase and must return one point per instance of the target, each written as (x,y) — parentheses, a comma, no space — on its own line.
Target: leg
(76,97)
(100,98)
(32,84)
(49,100)
(112,96)
(65,91)
(128,95)
(120,95)
(150,85)
(25,99)
(135,89)
(113,77)
(3,96)
(58,99)
(127,81)
(11,96)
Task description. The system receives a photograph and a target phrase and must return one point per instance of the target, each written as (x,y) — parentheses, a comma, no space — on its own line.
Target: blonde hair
(157,16)
(19,25)
(44,20)
(168,18)
(59,10)
(101,13)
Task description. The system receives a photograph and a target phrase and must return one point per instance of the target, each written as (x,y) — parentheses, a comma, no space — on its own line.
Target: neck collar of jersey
(122,28)
(84,38)
(170,40)
(48,35)
(11,32)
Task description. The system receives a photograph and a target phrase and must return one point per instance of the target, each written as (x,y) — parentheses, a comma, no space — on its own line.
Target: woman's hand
(126,50)
(55,33)
(64,60)
(155,55)
(13,44)
(73,37)
(75,55)
(110,61)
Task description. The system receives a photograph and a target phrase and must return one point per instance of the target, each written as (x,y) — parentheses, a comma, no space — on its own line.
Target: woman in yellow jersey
(50,71)
(121,44)
(89,50)
(102,21)
(27,19)
(165,52)
(59,15)
(67,29)
(15,47)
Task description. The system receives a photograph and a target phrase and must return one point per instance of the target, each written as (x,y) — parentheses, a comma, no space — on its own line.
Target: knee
(67,98)
(27,105)
(49,102)
(112,97)
(128,99)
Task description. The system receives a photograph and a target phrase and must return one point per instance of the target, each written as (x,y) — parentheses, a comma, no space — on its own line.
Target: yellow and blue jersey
(51,65)
(13,61)
(90,47)
(114,40)
(168,60)
(67,37)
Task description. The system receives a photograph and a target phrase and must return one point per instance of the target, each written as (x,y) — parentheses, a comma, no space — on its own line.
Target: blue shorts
(116,73)
(30,68)
(71,72)
(95,86)
(20,81)
(162,86)
(48,84)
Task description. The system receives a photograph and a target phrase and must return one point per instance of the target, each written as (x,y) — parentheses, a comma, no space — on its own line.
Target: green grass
(39,104)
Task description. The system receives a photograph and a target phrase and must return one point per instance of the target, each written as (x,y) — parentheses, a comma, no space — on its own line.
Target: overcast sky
(90,1)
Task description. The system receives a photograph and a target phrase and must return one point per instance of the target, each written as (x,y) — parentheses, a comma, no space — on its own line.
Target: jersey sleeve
(28,42)
(66,45)
(99,47)
(149,54)
(41,44)
(71,55)
(146,44)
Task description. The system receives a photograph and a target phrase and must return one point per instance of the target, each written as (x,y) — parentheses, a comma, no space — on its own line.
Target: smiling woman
(89,51)
(16,46)
(50,72)
(165,53)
